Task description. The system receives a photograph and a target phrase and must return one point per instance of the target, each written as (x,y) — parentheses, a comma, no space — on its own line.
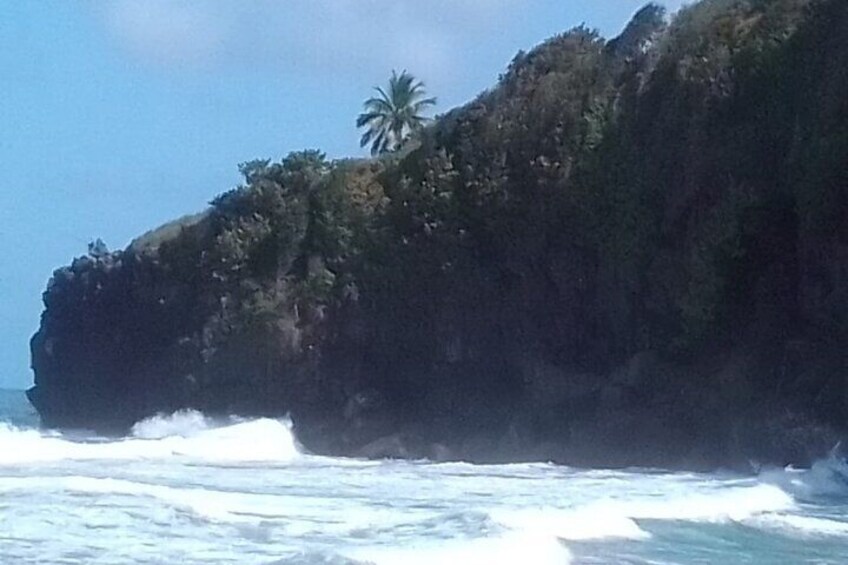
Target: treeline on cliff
(627,251)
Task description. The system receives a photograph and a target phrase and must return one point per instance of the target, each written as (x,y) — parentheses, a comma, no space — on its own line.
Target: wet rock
(388,447)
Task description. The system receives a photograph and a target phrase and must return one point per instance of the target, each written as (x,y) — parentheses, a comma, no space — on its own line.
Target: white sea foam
(510,549)
(617,518)
(184,423)
(252,441)
(208,504)
(575,525)
(186,487)
(800,526)
(732,504)
(827,478)
(187,435)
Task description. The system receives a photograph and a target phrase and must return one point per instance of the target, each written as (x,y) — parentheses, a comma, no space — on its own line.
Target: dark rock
(627,253)
(388,447)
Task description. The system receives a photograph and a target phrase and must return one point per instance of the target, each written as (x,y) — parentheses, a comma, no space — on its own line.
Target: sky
(117,116)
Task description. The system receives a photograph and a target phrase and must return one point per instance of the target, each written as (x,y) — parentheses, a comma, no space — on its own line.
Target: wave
(766,506)
(609,519)
(210,505)
(801,526)
(184,423)
(826,478)
(572,525)
(619,519)
(507,549)
(185,434)
(733,504)
(316,557)
(254,514)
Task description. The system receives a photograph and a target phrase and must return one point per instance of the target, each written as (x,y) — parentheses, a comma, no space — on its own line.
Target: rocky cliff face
(628,252)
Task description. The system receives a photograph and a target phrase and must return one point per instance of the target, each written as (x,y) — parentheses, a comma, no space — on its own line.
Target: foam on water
(509,549)
(610,519)
(732,504)
(188,435)
(184,423)
(207,504)
(827,478)
(188,488)
(801,526)
(573,525)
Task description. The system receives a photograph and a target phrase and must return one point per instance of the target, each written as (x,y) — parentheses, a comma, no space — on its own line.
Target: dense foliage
(627,251)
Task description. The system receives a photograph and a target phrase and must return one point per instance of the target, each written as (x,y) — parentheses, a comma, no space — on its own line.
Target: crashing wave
(826,478)
(184,423)
(185,434)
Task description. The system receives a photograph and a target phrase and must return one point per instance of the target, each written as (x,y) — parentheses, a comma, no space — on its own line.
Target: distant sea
(16,410)
(183,488)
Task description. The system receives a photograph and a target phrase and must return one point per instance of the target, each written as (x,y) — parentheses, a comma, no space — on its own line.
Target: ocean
(184,489)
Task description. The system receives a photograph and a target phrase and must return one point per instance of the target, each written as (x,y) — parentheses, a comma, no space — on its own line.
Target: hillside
(627,252)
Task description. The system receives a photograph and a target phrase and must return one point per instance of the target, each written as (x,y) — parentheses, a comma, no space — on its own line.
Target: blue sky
(118,116)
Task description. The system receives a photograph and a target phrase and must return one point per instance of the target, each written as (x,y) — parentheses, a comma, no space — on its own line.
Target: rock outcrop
(629,252)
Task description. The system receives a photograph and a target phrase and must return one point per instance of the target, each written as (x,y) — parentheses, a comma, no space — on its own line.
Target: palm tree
(391,117)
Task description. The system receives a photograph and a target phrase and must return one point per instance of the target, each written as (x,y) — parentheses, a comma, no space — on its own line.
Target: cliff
(628,252)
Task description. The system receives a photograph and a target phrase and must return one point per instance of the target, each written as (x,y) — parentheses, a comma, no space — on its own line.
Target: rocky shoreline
(628,253)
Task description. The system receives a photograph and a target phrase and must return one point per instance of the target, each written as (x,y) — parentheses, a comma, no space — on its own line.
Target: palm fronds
(394,114)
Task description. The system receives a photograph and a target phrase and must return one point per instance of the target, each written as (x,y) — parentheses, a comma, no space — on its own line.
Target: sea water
(185,489)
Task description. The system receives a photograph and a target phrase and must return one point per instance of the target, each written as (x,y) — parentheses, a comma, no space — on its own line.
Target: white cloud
(173,32)
(457,47)
(342,36)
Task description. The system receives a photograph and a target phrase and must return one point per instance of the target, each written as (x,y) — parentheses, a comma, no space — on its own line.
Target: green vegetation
(625,245)
(394,115)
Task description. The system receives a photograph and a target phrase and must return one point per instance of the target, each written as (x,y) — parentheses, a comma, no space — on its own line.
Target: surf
(184,435)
